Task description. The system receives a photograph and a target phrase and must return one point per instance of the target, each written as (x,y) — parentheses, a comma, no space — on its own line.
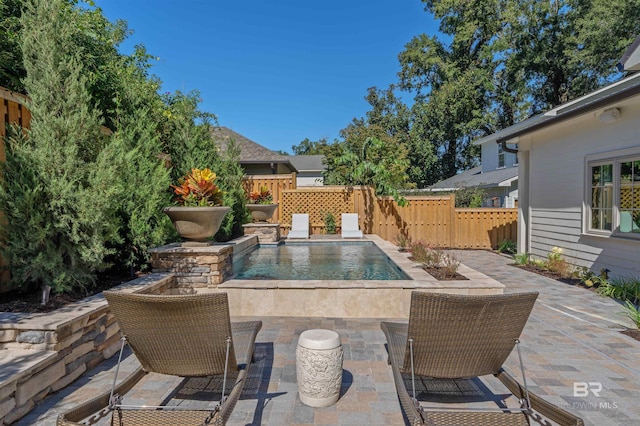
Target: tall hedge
(57,194)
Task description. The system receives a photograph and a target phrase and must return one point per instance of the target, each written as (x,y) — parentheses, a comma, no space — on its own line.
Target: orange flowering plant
(261,197)
(198,189)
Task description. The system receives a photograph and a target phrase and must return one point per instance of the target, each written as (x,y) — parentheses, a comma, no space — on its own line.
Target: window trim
(614,158)
(502,156)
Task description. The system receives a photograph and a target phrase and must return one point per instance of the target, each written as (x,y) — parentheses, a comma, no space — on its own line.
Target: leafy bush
(329,222)
(590,279)
(632,312)
(507,247)
(622,288)
(58,191)
(556,263)
(403,240)
(433,257)
(522,258)
(470,197)
(419,251)
(231,182)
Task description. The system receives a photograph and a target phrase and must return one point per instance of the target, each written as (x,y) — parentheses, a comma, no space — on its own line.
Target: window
(629,195)
(601,197)
(614,196)
(500,158)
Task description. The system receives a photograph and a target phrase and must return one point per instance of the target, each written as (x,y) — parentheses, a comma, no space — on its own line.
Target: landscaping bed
(17,301)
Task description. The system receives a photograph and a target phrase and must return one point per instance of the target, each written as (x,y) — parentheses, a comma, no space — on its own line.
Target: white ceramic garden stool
(319,367)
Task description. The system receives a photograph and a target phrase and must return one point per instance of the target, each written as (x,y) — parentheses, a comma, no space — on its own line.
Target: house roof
(598,99)
(475,178)
(250,152)
(308,163)
(630,60)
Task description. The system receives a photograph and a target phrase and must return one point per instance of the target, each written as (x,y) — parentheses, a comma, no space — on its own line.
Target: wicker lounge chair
(299,226)
(182,335)
(350,227)
(453,337)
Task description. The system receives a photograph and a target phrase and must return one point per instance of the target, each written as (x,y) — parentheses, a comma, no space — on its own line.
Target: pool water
(317,261)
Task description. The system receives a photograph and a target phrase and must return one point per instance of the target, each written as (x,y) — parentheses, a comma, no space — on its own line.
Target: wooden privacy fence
(433,220)
(12,111)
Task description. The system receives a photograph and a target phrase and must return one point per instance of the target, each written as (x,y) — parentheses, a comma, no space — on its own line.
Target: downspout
(505,148)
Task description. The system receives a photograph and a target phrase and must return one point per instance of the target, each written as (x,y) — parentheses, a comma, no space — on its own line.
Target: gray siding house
(498,176)
(579,179)
(310,169)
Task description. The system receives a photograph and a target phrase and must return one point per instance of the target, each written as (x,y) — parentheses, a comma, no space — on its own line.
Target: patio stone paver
(572,336)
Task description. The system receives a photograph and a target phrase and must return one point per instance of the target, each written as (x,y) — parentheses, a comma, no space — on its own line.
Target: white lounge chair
(299,226)
(350,228)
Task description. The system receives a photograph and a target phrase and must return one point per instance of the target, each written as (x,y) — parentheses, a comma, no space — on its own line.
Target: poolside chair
(299,226)
(182,335)
(350,228)
(454,337)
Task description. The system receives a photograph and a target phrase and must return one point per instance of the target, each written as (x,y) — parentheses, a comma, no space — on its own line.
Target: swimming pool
(317,261)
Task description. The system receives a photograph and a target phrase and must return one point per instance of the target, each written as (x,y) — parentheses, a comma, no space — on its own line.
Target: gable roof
(630,60)
(308,163)
(250,152)
(475,178)
(598,99)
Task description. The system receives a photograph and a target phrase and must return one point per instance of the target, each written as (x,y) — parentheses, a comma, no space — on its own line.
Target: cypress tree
(57,191)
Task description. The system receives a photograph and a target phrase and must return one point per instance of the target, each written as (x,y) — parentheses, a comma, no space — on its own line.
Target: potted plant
(199,213)
(260,204)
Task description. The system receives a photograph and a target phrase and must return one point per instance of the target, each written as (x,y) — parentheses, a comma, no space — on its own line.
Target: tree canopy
(492,64)
(83,188)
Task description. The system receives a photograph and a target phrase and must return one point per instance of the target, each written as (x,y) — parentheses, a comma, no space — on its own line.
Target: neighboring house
(255,159)
(579,178)
(498,176)
(310,169)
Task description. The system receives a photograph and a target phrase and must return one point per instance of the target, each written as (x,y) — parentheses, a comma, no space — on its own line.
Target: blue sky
(275,71)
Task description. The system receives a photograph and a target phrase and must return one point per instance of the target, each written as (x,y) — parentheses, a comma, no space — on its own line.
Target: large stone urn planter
(262,212)
(197,224)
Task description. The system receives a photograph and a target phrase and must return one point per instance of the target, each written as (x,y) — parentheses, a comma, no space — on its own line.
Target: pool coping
(419,277)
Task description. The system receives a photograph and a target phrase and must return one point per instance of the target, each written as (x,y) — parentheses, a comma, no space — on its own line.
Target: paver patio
(572,337)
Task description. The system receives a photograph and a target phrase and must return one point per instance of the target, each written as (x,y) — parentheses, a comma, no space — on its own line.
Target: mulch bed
(442,275)
(30,302)
(553,275)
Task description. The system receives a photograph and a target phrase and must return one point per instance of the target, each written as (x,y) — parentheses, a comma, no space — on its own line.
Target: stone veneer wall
(266,232)
(205,266)
(42,353)
(200,266)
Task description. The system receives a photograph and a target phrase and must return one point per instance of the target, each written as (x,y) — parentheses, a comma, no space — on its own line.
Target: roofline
(592,101)
(266,162)
(628,54)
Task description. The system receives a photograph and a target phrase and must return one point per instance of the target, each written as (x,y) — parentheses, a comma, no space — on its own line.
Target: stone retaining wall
(42,353)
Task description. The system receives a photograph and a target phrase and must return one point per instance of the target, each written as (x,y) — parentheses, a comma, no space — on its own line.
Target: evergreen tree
(187,134)
(143,175)
(67,203)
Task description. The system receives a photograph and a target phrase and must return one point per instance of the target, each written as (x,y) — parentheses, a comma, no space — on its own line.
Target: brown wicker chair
(182,335)
(455,337)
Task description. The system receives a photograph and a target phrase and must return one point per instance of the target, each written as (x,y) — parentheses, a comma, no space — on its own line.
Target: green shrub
(632,312)
(403,241)
(522,258)
(507,247)
(470,197)
(622,288)
(329,222)
(58,191)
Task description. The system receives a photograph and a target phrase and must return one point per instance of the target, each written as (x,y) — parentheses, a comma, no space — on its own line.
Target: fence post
(453,233)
